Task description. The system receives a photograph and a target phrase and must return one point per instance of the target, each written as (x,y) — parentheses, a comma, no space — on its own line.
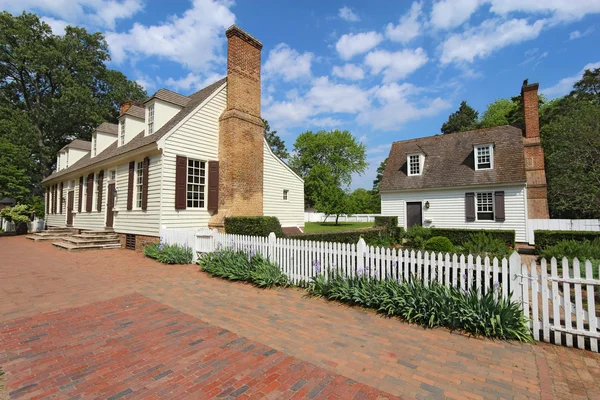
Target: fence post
(360,255)
(272,239)
(515,278)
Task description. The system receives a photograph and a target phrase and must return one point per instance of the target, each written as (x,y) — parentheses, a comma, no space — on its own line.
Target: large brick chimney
(241,132)
(537,194)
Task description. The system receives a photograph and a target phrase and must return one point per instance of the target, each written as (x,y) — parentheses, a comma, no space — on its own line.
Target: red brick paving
(392,356)
(133,347)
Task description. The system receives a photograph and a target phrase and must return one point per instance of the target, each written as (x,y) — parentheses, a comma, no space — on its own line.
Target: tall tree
(588,87)
(14,163)
(54,89)
(275,142)
(379,176)
(464,119)
(497,113)
(363,201)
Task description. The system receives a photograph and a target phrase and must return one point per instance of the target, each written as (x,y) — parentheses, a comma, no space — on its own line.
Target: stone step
(59,228)
(93,237)
(56,233)
(76,247)
(85,241)
(36,237)
(98,232)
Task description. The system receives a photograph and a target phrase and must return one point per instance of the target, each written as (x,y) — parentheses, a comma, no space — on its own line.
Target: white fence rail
(320,217)
(560,225)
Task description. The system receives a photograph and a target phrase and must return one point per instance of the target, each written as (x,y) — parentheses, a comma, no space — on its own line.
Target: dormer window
(67,163)
(484,157)
(94,140)
(415,164)
(122,136)
(150,119)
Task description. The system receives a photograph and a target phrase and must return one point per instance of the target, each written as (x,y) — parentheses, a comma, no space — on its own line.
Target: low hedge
(344,236)
(253,226)
(544,239)
(459,236)
(391,224)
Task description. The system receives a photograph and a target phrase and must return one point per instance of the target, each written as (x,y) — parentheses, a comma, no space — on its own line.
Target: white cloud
(92,13)
(194,39)
(578,34)
(57,25)
(287,63)
(409,26)
(352,44)
(396,65)
(490,36)
(191,82)
(534,56)
(326,122)
(447,14)
(561,10)
(565,85)
(347,14)
(349,71)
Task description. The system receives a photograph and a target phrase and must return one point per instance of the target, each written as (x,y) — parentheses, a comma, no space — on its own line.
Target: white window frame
(67,159)
(490,148)
(139,184)
(150,126)
(491,194)
(408,164)
(286,195)
(122,132)
(202,200)
(95,193)
(84,195)
(94,146)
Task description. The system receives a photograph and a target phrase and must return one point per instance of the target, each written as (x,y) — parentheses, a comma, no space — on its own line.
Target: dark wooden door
(414,214)
(70,204)
(110,205)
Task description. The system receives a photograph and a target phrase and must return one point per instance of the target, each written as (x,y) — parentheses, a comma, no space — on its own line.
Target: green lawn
(330,226)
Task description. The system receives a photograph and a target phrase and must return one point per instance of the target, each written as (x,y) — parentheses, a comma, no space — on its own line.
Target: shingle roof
(78,144)
(140,140)
(170,97)
(449,160)
(136,111)
(107,127)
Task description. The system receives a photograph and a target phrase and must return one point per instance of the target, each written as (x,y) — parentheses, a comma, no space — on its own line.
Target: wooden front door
(110,204)
(70,204)
(414,214)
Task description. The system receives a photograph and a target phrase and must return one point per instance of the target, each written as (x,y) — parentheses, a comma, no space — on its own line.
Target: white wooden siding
(196,138)
(447,208)
(277,178)
(103,140)
(76,155)
(163,112)
(133,126)
(92,219)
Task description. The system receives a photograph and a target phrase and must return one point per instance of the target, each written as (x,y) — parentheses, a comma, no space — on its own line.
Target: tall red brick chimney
(537,191)
(241,132)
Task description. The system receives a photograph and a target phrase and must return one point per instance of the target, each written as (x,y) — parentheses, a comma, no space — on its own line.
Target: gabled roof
(170,97)
(449,160)
(107,127)
(78,144)
(135,111)
(140,140)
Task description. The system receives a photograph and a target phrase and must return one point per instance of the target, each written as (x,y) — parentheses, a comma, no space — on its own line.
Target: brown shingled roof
(136,112)
(78,144)
(449,160)
(170,97)
(107,127)
(140,140)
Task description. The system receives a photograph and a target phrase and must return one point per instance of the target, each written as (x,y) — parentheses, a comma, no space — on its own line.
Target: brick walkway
(385,354)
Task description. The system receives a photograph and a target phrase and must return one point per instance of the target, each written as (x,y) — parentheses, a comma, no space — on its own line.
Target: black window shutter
(145,184)
(80,194)
(470,206)
(499,206)
(130,186)
(100,190)
(60,198)
(90,193)
(180,183)
(213,186)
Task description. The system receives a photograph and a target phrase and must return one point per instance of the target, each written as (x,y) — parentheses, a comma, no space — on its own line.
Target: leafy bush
(461,236)
(584,250)
(430,305)
(169,253)
(416,236)
(354,236)
(18,214)
(484,244)
(394,231)
(386,221)
(545,239)
(239,266)
(253,226)
(439,244)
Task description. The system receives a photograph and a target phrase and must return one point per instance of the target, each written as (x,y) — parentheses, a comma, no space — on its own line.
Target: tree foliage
(15,181)
(497,113)
(363,201)
(275,142)
(379,176)
(464,119)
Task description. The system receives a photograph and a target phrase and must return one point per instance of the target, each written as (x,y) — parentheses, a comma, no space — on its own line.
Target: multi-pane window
(483,155)
(67,154)
(139,184)
(285,194)
(196,182)
(95,192)
(150,119)
(123,132)
(485,206)
(414,164)
(84,196)
(94,140)
(113,175)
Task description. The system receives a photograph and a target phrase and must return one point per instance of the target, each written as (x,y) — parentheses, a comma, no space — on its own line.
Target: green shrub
(416,236)
(169,253)
(582,250)
(253,226)
(439,244)
(239,266)
(391,224)
(483,244)
(461,236)
(544,239)
(369,235)
(152,251)
(18,214)
(430,305)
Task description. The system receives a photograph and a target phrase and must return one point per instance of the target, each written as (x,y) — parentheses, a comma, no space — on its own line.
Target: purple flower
(496,285)
(359,271)
(316,263)
(318,270)
(464,276)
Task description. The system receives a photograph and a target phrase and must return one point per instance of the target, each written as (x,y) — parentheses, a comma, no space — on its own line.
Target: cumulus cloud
(57,25)
(396,65)
(565,85)
(192,82)
(349,71)
(447,14)
(490,36)
(559,10)
(350,45)
(409,26)
(288,63)
(347,14)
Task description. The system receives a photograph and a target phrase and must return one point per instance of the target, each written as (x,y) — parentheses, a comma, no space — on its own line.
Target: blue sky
(383,70)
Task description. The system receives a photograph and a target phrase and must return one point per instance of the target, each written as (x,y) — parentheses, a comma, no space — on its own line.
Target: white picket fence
(560,225)
(558,303)
(37,225)
(321,217)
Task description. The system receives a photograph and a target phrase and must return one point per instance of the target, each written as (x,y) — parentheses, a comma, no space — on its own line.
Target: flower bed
(169,254)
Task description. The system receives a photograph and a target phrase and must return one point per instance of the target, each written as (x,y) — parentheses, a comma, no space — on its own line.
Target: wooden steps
(90,240)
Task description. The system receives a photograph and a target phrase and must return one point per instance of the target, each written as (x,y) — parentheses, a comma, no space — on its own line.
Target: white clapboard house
(178,161)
